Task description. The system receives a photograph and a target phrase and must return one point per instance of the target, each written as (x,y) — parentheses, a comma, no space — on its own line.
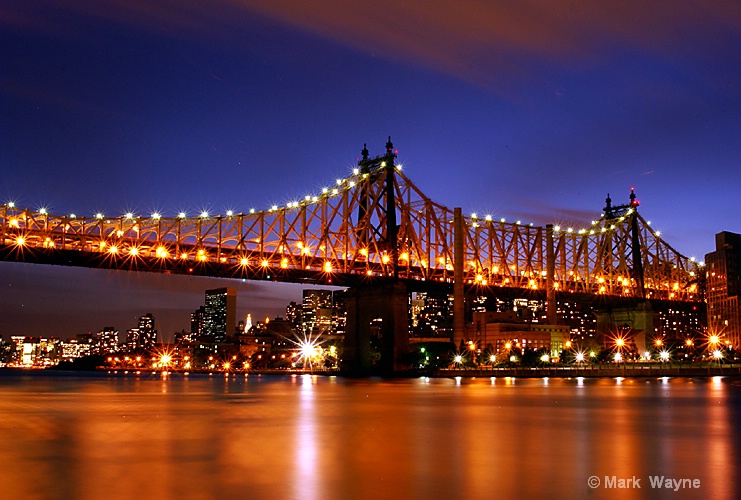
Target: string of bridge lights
(350,183)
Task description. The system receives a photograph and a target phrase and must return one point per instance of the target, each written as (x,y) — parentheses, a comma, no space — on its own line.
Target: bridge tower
(378,316)
(639,318)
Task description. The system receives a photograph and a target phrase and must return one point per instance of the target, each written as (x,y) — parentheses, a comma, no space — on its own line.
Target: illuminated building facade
(36,352)
(723,286)
(144,336)
(430,315)
(220,314)
(106,341)
(77,348)
(505,334)
(316,311)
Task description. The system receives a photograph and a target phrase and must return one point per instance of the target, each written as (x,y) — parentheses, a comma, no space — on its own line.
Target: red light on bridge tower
(615,211)
(633,201)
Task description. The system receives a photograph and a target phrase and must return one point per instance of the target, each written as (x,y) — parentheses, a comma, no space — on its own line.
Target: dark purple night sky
(530,110)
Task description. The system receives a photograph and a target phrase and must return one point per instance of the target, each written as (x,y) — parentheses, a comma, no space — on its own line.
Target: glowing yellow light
(567,344)
(364,252)
(385,259)
(284,263)
(102,245)
(184,256)
(244,261)
(658,342)
(265,263)
(133,251)
(162,252)
(479,278)
(369,273)
(508,345)
(688,342)
(620,342)
(327,266)
(20,241)
(113,249)
(714,339)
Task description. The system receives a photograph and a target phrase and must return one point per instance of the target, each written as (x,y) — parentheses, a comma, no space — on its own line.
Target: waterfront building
(106,341)
(505,334)
(78,347)
(36,352)
(293,315)
(221,313)
(723,273)
(316,311)
(339,312)
(144,336)
(198,322)
(430,315)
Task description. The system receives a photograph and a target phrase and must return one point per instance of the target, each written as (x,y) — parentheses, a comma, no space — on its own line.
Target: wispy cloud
(486,43)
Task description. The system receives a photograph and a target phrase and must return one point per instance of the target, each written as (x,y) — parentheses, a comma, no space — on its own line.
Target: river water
(314,437)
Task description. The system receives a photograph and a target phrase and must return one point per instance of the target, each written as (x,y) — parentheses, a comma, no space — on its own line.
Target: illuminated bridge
(370,228)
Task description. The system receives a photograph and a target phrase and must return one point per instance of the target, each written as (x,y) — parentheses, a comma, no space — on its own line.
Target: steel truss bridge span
(373,225)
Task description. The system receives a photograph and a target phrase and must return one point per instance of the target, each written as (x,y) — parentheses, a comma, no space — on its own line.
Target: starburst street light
(308,350)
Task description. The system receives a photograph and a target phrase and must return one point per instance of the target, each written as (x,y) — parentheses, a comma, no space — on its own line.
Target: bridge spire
(614,211)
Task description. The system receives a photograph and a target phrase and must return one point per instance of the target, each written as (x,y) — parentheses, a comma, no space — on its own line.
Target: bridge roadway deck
(76,258)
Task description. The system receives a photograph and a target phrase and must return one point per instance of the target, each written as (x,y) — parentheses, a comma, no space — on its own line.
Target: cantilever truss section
(344,231)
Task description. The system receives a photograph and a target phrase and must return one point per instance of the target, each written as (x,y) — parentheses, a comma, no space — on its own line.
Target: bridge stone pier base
(389,337)
(639,319)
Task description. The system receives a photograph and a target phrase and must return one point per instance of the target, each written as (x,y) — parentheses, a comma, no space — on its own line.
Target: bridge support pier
(373,346)
(639,319)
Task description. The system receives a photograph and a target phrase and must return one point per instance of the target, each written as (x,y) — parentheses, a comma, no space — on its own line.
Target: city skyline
(125,107)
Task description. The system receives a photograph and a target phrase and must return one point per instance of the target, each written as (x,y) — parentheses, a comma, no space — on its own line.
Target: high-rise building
(293,315)
(106,341)
(144,336)
(316,311)
(339,312)
(198,322)
(723,286)
(221,314)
